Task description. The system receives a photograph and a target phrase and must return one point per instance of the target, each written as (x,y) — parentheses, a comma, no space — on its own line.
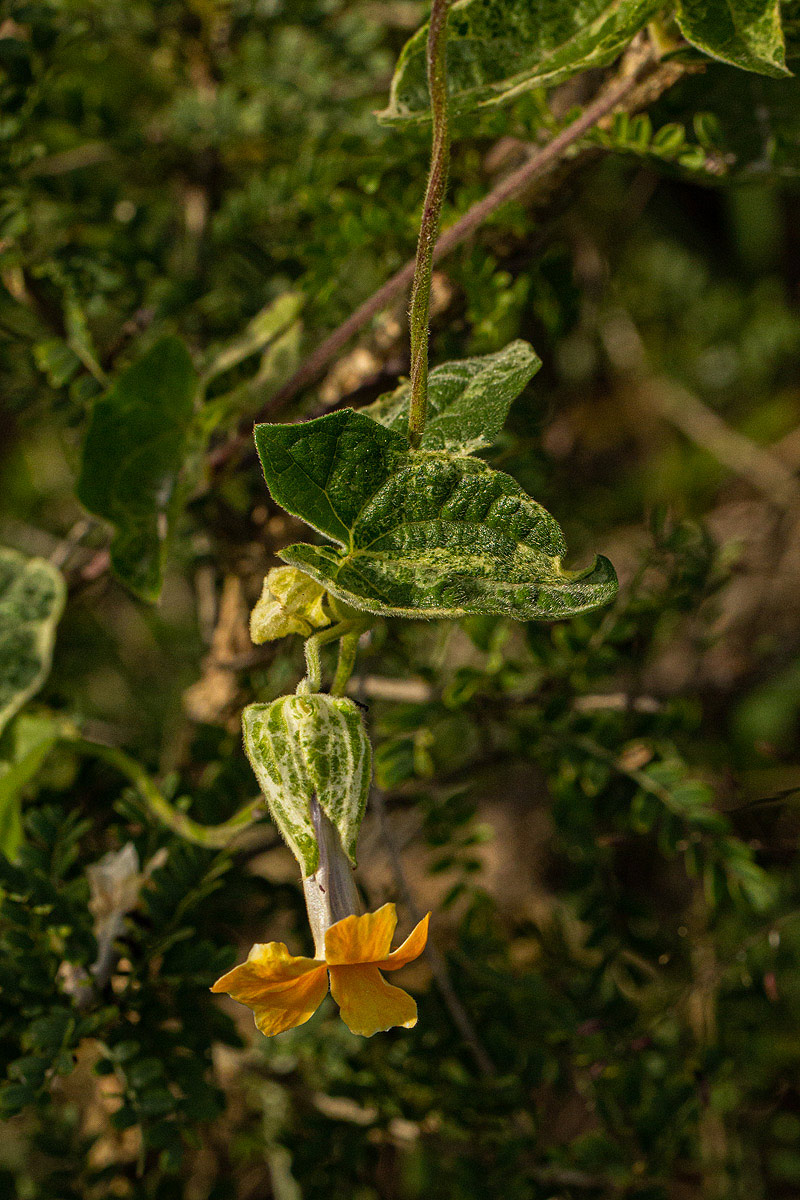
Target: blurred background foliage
(602,813)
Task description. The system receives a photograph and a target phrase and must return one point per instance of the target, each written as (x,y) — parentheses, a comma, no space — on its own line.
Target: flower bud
(290,602)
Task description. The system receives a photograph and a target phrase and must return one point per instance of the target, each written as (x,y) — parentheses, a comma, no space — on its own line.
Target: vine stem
(213,837)
(344,630)
(430,221)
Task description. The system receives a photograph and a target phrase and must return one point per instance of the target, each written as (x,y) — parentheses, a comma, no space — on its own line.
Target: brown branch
(511,187)
(438,966)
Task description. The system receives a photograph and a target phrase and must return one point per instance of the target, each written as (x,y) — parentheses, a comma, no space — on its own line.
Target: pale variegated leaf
(497,49)
(32,594)
(468,400)
(306,746)
(745,33)
(420,533)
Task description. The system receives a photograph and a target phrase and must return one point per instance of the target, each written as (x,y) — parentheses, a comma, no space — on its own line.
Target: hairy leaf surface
(745,33)
(420,533)
(468,400)
(135,447)
(310,745)
(497,49)
(32,596)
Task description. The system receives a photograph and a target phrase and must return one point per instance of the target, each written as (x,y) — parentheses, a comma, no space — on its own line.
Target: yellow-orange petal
(367,1003)
(268,963)
(363,939)
(411,948)
(282,991)
(286,1005)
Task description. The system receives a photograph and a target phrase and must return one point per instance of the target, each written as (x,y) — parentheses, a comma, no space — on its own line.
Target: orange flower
(284,991)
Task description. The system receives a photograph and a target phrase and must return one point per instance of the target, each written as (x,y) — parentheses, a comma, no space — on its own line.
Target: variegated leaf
(497,49)
(420,534)
(304,746)
(468,400)
(745,33)
(32,594)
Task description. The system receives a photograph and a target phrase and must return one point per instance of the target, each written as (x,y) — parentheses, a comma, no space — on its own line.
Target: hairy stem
(348,632)
(431,215)
(348,649)
(312,648)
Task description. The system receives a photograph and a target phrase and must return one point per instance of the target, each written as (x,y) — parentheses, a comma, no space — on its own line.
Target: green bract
(32,596)
(497,49)
(304,746)
(420,533)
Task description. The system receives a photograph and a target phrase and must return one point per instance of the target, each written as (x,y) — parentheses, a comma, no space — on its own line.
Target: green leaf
(745,33)
(57,361)
(307,746)
(468,400)
(497,49)
(32,594)
(267,325)
(138,437)
(34,738)
(756,120)
(278,361)
(420,533)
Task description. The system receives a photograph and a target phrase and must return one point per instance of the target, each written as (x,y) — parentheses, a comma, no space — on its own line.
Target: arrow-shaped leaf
(468,400)
(420,533)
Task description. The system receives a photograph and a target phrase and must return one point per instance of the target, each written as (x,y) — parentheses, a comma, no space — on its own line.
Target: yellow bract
(284,991)
(290,602)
